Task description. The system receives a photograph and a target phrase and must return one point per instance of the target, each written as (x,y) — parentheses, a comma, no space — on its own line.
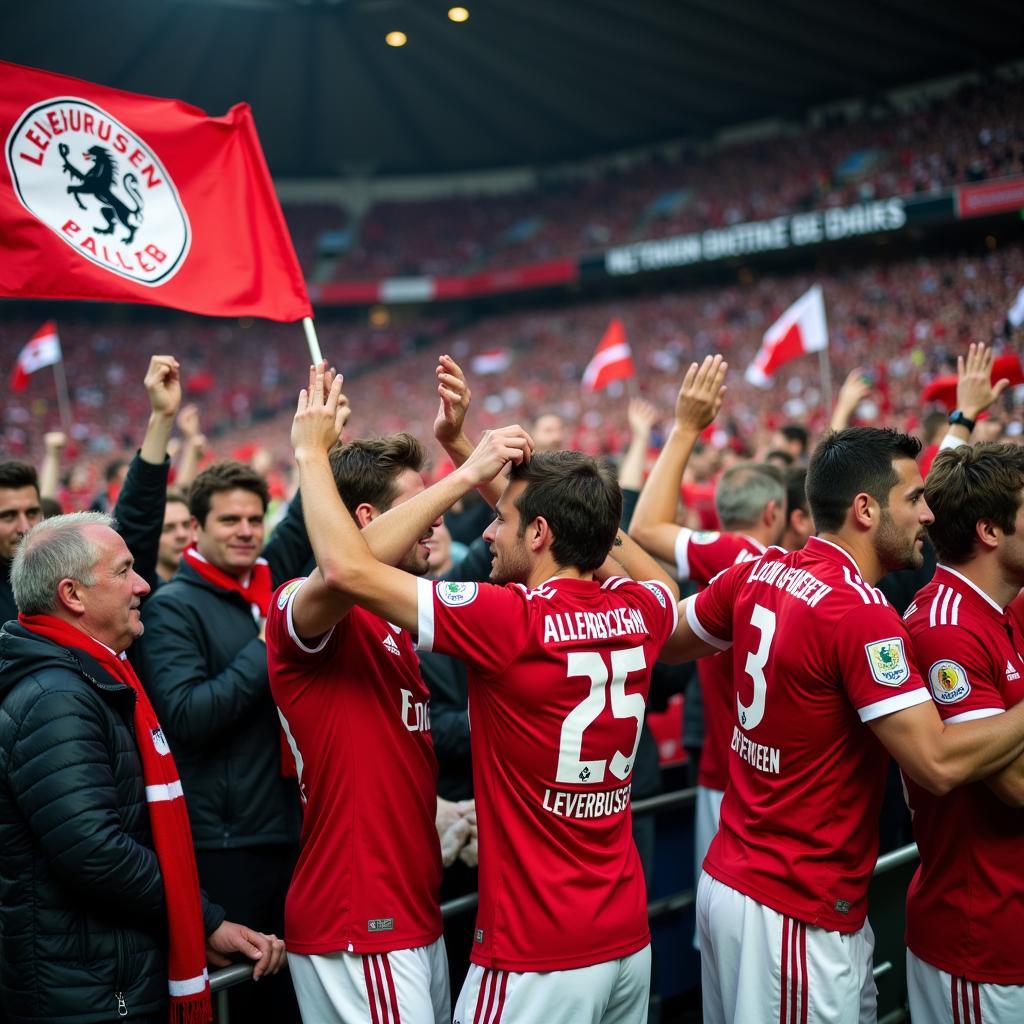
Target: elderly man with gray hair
(101,915)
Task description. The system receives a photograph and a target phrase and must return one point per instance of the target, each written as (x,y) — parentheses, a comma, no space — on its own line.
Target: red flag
(43,349)
(801,329)
(114,196)
(612,360)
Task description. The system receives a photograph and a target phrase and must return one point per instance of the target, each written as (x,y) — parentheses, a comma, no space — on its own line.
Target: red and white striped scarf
(187,980)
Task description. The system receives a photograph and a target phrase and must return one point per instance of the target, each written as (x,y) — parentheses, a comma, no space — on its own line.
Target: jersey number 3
(750,715)
(590,664)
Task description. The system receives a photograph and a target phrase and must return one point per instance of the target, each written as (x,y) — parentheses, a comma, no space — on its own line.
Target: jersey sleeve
(283,641)
(959,673)
(701,555)
(876,662)
(483,624)
(709,614)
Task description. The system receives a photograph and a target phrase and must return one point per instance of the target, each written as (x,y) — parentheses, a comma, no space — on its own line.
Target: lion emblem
(99,182)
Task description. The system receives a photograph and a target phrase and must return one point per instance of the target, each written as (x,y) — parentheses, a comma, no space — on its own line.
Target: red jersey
(817,653)
(558,682)
(700,557)
(357,716)
(965,906)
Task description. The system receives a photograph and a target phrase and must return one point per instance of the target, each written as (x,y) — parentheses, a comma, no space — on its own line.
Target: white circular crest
(97,186)
(456,594)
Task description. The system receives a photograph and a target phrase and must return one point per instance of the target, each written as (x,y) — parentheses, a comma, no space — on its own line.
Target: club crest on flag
(98,186)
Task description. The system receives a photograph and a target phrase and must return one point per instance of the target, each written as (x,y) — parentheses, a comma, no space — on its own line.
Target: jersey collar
(755,542)
(842,552)
(1000,610)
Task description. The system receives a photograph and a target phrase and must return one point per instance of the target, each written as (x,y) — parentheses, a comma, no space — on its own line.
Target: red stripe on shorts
(484,983)
(977,1002)
(392,994)
(370,995)
(382,995)
(501,998)
(806,986)
(784,977)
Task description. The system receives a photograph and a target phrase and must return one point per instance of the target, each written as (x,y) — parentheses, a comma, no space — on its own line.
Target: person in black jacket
(204,664)
(83,919)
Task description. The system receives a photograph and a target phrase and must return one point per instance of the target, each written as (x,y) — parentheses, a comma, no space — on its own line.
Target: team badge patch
(888,661)
(282,598)
(657,592)
(160,741)
(455,595)
(949,683)
(99,188)
(704,537)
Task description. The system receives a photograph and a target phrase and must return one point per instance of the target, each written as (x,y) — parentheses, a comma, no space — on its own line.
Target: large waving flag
(43,349)
(119,197)
(612,360)
(801,329)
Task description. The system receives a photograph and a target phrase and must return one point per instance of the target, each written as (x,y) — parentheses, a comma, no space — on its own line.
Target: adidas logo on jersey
(1011,672)
(390,645)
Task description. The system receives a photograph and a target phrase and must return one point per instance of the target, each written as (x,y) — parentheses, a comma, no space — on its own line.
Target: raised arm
(345,561)
(854,390)
(975,391)
(193,444)
(54,442)
(449,425)
(700,397)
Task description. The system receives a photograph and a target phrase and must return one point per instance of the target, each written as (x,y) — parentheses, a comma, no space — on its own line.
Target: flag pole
(826,381)
(63,401)
(311,340)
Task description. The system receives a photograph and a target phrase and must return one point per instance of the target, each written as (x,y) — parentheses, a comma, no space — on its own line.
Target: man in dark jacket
(204,665)
(84,924)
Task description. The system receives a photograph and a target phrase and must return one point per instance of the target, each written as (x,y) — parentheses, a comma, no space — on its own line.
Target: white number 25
(590,664)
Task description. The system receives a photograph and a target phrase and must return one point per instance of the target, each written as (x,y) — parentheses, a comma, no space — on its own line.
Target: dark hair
(851,461)
(176,494)
(112,469)
(778,455)
(796,488)
(227,475)
(796,432)
(581,501)
(15,474)
(968,483)
(365,470)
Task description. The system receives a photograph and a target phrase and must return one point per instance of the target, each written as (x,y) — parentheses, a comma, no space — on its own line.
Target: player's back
(558,687)
(816,653)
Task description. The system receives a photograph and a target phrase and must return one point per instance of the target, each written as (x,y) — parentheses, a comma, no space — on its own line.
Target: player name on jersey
(764,759)
(586,805)
(562,626)
(797,582)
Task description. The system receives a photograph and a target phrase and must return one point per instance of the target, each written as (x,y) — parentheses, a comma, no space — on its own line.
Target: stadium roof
(521,82)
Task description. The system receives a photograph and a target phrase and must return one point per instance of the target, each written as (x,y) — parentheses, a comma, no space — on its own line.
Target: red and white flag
(801,329)
(612,360)
(43,349)
(119,197)
(495,360)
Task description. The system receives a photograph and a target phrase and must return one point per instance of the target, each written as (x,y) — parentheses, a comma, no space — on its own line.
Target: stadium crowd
(231,701)
(974,134)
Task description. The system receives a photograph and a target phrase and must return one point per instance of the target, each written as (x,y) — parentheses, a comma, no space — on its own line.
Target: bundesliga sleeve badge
(948,680)
(888,661)
(455,595)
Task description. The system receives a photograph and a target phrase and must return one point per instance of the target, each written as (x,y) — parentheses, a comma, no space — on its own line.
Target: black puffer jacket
(205,670)
(81,894)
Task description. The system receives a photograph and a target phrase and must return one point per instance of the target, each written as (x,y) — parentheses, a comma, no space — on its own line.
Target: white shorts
(707,814)
(760,965)
(406,986)
(614,992)
(942,999)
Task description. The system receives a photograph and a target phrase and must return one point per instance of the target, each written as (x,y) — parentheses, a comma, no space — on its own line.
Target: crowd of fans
(974,134)
(902,322)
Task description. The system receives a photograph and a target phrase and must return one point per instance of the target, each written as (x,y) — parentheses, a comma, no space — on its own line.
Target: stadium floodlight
(458,14)
(396,38)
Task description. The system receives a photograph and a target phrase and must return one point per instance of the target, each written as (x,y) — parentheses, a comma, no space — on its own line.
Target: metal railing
(657,909)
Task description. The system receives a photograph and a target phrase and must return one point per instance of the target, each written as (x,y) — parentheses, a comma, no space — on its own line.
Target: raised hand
(496,449)
(975,391)
(701,393)
(455,397)
(188,420)
(642,416)
(163,385)
(854,390)
(321,413)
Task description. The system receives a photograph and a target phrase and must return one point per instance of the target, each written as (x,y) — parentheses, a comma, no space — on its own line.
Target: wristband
(958,419)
